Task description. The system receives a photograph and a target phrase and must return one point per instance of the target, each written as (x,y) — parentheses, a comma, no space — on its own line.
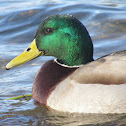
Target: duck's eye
(48,30)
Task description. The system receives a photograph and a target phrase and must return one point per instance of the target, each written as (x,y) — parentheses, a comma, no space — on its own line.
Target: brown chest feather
(49,75)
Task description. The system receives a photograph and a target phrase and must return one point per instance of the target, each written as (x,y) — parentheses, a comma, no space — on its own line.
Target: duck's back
(110,69)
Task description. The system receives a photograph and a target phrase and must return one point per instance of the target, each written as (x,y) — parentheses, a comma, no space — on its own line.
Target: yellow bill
(30,53)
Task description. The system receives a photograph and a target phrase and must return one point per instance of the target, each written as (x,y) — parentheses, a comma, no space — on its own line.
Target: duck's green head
(61,36)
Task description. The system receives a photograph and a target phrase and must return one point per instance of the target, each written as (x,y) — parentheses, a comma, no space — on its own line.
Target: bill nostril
(28,49)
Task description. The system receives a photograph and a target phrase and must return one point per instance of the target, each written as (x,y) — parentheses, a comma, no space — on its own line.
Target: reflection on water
(19,19)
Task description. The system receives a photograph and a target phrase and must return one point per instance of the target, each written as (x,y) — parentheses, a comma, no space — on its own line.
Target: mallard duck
(74,82)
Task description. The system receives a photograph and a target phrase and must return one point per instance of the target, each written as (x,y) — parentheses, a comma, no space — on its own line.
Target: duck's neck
(75,60)
(74,53)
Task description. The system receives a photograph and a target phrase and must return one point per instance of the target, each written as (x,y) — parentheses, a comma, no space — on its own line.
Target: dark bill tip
(6,68)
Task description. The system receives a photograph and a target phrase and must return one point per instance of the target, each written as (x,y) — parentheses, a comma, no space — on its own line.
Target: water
(19,19)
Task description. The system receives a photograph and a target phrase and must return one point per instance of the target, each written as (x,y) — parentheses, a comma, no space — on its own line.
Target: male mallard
(74,82)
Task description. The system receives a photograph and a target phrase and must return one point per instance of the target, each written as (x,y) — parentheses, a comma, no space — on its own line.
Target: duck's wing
(110,69)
